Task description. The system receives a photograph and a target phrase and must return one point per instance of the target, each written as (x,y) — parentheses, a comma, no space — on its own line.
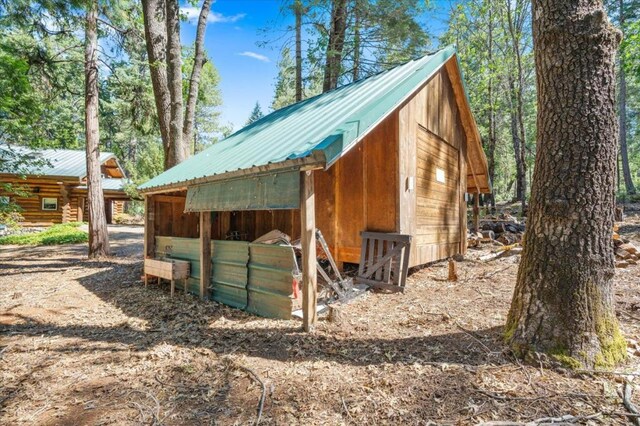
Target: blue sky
(248,72)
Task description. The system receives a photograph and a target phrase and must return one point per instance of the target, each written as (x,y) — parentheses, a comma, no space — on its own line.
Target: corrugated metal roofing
(331,123)
(111,184)
(51,162)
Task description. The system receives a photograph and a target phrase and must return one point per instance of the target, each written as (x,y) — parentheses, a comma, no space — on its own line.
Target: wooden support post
(308,240)
(205,253)
(66,207)
(80,209)
(149,227)
(476,212)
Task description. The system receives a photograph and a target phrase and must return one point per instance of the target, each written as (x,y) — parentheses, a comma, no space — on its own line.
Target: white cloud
(192,13)
(255,55)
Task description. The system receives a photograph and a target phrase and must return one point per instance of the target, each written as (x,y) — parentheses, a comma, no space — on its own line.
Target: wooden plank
(308,241)
(463,202)
(149,226)
(266,192)
(205,253)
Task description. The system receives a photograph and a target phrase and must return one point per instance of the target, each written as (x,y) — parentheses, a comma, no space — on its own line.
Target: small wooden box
(168,269)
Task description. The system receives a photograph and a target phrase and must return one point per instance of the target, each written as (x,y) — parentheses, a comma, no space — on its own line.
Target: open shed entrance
(213,226)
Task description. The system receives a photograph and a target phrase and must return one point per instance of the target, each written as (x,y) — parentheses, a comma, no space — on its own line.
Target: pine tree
(563,301)
(256,114)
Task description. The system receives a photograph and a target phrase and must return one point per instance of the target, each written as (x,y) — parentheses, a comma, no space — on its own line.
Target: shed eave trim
(313,161)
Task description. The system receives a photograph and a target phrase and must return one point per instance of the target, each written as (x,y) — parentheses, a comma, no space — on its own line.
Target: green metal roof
(46,162)
(111,184)
(330,123)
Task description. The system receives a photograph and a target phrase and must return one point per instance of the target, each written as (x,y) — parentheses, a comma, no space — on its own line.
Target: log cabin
(396,152)
(50,185)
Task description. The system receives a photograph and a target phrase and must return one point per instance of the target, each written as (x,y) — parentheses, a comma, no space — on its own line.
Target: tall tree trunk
(356,40)
(491,143)
(563,300)
(155,32)
(199,59)
(336,44)
(298,12)
(521,154)
(517,144)
(622,111)
(98,234)
(177,149)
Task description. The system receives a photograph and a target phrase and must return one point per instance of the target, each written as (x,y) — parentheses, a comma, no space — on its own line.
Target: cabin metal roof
(49,162)
(320,128)
(111,184)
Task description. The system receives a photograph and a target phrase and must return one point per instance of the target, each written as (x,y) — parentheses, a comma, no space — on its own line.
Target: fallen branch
(606,372)
(568,418)
(264,389)
(468,333)
(625,394)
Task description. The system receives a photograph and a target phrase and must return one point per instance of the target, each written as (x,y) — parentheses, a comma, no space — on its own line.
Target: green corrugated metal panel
(265,192)
(183,249)
(50,162)
(272,285)
(229,274)
(330,122)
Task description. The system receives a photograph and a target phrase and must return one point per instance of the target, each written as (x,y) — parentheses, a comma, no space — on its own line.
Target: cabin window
(440,175)
(49,204)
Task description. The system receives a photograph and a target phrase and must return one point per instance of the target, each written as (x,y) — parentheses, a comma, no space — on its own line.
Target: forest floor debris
(83,342)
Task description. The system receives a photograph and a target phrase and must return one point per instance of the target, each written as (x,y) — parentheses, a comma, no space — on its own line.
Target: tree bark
(298,12)
(563,300)
(518,121)
(491,145)
(177,151)
(98,235)
(356,40)
(199,60)
(155,32)
(622,111)
(335,45)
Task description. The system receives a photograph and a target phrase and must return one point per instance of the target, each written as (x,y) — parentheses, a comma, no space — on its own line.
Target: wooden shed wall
(431,136)
(369,188)
(357,193)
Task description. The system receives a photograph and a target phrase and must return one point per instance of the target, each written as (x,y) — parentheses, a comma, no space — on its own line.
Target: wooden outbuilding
(395,153)
(50,185)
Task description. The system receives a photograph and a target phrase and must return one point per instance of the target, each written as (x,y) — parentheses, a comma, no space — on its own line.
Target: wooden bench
(168,269)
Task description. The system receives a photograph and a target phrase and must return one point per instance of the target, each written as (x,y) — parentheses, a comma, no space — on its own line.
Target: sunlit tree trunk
(563,300)
(98,234)
(622,112)
(298,12)
(335,46)
(155,32)
(199,60)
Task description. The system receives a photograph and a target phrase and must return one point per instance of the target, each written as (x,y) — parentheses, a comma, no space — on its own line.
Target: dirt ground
(83,342)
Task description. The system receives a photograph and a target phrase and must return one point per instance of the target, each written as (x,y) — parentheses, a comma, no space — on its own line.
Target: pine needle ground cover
(109,351)
(64,233)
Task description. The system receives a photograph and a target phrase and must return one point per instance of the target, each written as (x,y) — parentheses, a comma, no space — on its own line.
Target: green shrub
(11,219)
(65,233)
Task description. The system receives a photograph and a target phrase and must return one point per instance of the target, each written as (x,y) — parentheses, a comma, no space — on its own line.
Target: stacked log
(503,229)
(626,253)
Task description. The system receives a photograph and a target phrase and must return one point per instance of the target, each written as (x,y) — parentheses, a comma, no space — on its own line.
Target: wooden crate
(168,269)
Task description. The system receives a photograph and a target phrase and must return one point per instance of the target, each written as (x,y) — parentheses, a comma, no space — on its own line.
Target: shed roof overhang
(478,181)
(262,182)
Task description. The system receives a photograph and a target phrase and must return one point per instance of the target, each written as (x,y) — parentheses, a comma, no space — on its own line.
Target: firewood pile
(502,229)
(626,253)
